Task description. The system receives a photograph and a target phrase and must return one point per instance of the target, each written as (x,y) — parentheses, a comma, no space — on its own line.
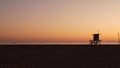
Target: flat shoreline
(62,44)
(60,56)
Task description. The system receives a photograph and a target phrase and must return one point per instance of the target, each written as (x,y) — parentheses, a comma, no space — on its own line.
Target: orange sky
(52,21)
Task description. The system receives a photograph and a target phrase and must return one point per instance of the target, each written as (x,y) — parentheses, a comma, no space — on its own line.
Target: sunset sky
(58,21)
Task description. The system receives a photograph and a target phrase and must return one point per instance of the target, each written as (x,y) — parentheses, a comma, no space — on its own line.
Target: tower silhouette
(96,40)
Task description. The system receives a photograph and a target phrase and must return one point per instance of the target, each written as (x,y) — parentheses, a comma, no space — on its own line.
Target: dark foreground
(65,56)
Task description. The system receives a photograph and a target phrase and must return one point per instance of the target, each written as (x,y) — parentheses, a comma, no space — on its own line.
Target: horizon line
(55,43)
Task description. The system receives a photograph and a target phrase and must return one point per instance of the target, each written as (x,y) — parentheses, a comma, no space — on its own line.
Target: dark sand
(59,56)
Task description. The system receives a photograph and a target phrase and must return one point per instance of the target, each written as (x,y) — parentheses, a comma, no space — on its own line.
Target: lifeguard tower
(95,40)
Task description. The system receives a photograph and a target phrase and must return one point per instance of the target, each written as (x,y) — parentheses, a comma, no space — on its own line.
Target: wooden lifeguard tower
(95,40)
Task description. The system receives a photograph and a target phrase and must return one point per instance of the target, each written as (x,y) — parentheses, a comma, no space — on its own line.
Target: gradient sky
(56,21)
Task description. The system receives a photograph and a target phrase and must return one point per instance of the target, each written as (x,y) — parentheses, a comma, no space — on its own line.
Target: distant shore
(56,44)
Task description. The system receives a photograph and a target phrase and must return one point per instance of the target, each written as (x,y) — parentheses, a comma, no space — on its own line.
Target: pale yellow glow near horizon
(58,20)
